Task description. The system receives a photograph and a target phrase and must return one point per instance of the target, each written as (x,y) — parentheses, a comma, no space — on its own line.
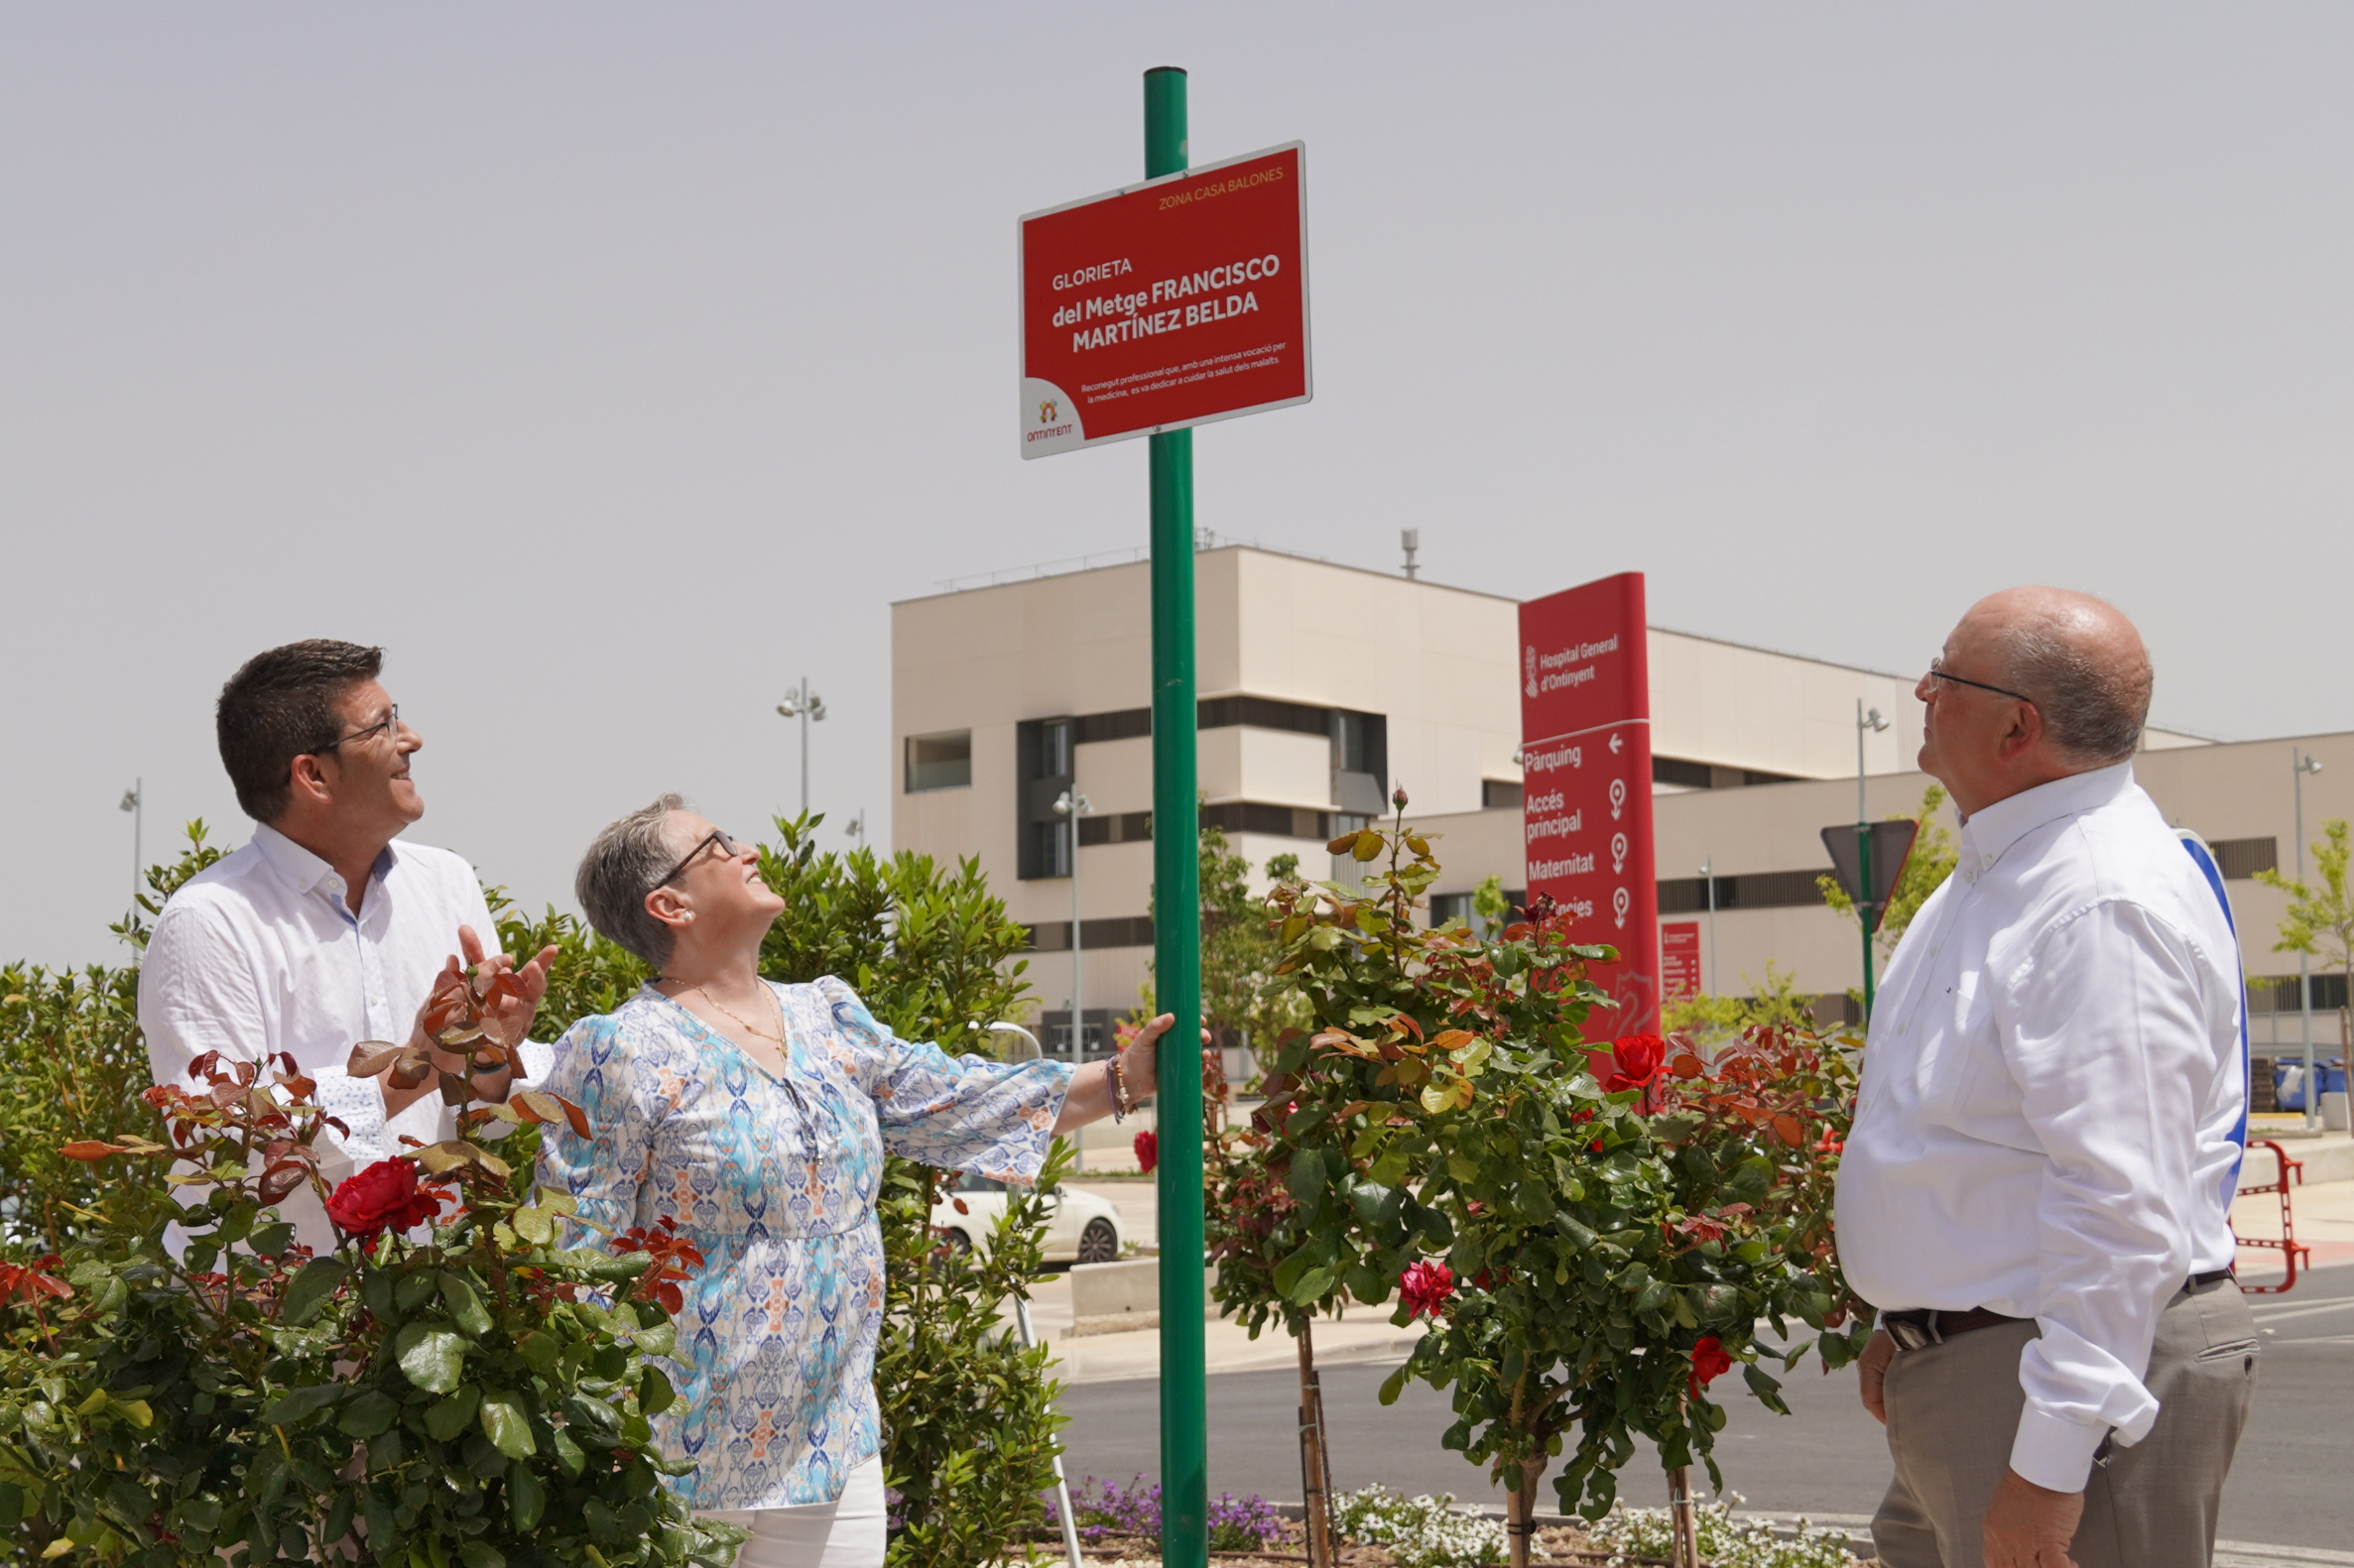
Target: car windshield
(968,1183)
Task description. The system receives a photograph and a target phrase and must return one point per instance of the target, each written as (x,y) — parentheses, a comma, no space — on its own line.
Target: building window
(2242,858)
(1501,794)
(1042,764)
(941,761)
(1124,827)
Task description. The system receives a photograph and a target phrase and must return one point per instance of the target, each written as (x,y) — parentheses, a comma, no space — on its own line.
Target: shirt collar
(305,872)
(1992,830)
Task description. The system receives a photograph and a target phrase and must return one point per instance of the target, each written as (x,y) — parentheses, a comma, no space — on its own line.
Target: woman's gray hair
(2093,708)
(617,873)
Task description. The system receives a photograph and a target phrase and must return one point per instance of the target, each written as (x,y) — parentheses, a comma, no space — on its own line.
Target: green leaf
(370,1411)
(539,1352)
(536,1225)
(527,1498)
(1311,1285)
(660,1340)
(314,1287)
(1394,1385)
(568,1453)
(412,1290)
(269,1241)
(507,1426)
(655,1393)
(431,1356)
(297,1407)
(465,1305)
(447,1418)
(1306,1176)
(480,1554)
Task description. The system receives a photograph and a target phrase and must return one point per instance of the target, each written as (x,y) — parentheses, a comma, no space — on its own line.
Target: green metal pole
(1177,937)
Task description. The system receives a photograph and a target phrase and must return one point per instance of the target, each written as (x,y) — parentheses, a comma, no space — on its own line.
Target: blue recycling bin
(2332,1075)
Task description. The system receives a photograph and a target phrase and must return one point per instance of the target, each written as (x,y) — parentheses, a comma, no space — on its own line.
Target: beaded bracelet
(1119,1087)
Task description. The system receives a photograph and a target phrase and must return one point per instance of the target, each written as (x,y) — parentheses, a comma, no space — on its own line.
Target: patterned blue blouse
(775,1182)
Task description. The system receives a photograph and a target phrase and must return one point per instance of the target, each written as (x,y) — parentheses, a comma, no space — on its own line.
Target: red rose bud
(1424,1288)
(1710,1362)
(385,1196)
(1595,1145)
(1148,1152)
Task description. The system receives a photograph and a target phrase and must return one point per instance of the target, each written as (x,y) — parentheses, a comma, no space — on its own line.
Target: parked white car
(1085,1228)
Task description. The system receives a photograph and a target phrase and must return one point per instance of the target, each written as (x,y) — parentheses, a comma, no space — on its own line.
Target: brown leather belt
(1921,1327)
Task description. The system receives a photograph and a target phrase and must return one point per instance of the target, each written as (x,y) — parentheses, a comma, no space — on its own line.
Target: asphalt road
(2288,1486)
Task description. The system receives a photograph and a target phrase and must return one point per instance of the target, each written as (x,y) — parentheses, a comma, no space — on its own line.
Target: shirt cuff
(2053,1452)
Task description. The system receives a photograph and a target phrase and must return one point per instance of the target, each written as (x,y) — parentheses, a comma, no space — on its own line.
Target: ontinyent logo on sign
(1048,410)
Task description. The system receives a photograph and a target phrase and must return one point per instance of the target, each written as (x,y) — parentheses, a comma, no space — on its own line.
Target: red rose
(1595,1145)
(1424,1288)
(1148,1152)
(1630,1063)
(385,1196)
(1710,1362)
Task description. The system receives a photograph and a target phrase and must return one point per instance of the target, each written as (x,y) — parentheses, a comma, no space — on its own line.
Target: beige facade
(1322,688)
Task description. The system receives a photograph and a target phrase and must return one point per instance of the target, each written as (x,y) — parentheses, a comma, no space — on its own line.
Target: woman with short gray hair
(754,1116)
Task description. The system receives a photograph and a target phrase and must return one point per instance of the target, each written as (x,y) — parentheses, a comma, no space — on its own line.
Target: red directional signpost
(1586,759)
(1146,311)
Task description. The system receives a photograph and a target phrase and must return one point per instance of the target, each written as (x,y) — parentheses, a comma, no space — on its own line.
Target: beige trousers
(1952,1409)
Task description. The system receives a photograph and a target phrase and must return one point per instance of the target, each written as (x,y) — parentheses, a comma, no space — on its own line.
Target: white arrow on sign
(1617,744)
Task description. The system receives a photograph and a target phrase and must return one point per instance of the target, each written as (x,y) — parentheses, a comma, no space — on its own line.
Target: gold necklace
(745,1024)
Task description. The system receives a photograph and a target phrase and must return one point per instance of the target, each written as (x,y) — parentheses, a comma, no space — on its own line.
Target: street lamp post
(2301,763)
(1070,805)
(1873,723)
(1708,871)
(804,705)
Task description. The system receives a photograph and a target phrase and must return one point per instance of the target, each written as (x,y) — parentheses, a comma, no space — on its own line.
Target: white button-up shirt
(259,953)
(2045,1126)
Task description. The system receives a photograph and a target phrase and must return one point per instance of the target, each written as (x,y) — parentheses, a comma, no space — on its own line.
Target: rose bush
(471,1399)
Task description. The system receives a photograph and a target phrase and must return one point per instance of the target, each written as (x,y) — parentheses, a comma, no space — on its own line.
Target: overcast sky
(615,365)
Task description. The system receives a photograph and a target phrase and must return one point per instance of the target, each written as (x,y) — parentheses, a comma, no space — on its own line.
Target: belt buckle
(1910,1336)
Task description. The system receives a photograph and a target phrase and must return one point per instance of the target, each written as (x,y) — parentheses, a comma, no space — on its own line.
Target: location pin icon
(1619,903)
(1618,797)
(1618,852)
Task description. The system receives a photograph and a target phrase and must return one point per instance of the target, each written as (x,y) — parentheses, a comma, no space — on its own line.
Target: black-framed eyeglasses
(390,724)
(1936,674)
(727,847)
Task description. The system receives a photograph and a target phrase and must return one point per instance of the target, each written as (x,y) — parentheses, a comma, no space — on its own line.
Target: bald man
(2035,1193)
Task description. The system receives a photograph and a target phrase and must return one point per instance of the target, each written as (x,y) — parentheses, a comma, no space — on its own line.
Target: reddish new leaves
(384,1197)
(675,1259)
(32,1281)
(1425,1287)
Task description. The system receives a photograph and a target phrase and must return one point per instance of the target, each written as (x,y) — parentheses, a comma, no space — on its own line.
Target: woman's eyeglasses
(1936,674)
(728,848)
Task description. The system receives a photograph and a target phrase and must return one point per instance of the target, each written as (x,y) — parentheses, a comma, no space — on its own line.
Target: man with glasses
(2035,1193)
(322,932)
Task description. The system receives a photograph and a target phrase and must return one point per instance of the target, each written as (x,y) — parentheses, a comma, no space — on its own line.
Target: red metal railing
(2296,1252)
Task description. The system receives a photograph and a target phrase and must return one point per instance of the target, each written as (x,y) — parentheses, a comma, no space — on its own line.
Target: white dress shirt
(2048,1099)
(259,954)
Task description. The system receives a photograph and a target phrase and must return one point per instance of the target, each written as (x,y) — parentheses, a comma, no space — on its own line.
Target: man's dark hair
(280,706)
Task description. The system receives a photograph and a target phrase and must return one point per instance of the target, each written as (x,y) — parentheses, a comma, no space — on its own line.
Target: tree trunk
(1679,1515)
(1315,1460)
(1520,1512)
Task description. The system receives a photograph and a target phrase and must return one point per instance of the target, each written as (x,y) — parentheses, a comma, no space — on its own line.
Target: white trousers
(844,1533)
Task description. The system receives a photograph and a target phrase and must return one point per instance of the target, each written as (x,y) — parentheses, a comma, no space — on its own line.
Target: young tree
(2321,917)
(1926,871)
(1778,1003)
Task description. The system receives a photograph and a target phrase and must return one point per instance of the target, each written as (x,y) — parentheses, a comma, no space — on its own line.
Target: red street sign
(1679,960)
(1166,304)
(1586,759)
